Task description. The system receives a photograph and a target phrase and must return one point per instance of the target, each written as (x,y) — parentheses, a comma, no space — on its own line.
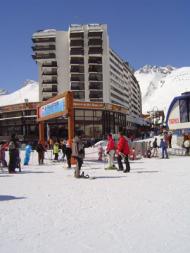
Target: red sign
(173,121)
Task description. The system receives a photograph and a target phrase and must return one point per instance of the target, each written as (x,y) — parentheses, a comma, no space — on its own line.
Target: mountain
(3,92)
(159,85)
(28,92)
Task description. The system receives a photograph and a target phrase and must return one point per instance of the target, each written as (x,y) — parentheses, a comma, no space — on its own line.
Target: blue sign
(52,108)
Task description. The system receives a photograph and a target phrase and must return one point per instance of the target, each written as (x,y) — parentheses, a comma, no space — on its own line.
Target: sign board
(174,121)
(58,106)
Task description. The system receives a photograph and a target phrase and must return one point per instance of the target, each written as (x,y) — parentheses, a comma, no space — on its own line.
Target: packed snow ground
(44,209)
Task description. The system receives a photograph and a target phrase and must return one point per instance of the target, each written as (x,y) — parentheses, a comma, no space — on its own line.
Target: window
(184,110)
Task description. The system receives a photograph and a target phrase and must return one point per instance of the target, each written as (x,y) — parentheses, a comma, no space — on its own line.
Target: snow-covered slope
(29,91)
(159,85)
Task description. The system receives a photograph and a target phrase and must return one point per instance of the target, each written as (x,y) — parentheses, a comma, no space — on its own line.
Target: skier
(28,150)
(110,150)
(78,154)
(123,152)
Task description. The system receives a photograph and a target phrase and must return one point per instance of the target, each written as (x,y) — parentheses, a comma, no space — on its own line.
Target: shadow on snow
(9,197)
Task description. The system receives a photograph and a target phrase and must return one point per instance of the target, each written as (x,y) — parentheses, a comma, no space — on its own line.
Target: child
(56,150)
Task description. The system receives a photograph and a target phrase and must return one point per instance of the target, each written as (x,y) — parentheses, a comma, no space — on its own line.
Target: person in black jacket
(13,151)
(40,149)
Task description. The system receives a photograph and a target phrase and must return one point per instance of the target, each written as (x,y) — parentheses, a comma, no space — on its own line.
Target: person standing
(78,154)
(28,150)
(164,147)
(40,149)
(122,153)
(68,152)
(13,150)
(63,147)
(155,148)
(110,150)
(56,150)
(3,148)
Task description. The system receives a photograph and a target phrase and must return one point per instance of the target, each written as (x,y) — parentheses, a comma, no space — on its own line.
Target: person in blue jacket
(28,150)
(164,147)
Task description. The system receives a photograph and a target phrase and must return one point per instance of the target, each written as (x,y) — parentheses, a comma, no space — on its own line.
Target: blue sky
(143,32)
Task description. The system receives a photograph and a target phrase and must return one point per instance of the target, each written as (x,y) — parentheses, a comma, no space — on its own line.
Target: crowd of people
(75,149)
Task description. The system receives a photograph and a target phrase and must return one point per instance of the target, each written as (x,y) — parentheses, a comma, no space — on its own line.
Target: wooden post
(70,116)
(70,121)
(41,132)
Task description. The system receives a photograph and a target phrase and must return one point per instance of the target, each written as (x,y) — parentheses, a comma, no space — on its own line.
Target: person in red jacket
(110,150)
(122,153)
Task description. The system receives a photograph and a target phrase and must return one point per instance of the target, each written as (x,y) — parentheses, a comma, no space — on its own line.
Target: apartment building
(81,60)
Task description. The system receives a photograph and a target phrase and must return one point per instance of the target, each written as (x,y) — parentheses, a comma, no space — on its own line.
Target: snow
(30,92)
(160,85)
(45,209)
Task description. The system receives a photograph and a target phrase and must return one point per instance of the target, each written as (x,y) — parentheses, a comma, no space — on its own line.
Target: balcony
(77,60)
(95,35)
(49,88)
(43,56)
(77,43)
(95,69)
(77,69)
(95,60)
(95,85)
(96,95)
(95,50)
(77,78)
(76,35)
(95,42)
(52,72)
(42,40)
(76,51)
(50,81)
(95,77)
(49,64)
(77,86)
(43,48)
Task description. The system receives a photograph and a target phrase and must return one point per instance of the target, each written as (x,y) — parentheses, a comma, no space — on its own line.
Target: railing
(43,48)
(49,82)
(95,50)
(39,40)
(49,64)
(43,56)
(49,73)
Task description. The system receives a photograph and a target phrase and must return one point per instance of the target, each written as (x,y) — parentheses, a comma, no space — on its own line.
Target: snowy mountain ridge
(159,85)
(3,92)
(157,69)
(29,91)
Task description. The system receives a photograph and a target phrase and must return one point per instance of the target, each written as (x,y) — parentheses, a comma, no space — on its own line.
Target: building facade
(81,60)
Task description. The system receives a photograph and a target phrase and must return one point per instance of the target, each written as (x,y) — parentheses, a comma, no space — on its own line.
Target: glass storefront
(98,123)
